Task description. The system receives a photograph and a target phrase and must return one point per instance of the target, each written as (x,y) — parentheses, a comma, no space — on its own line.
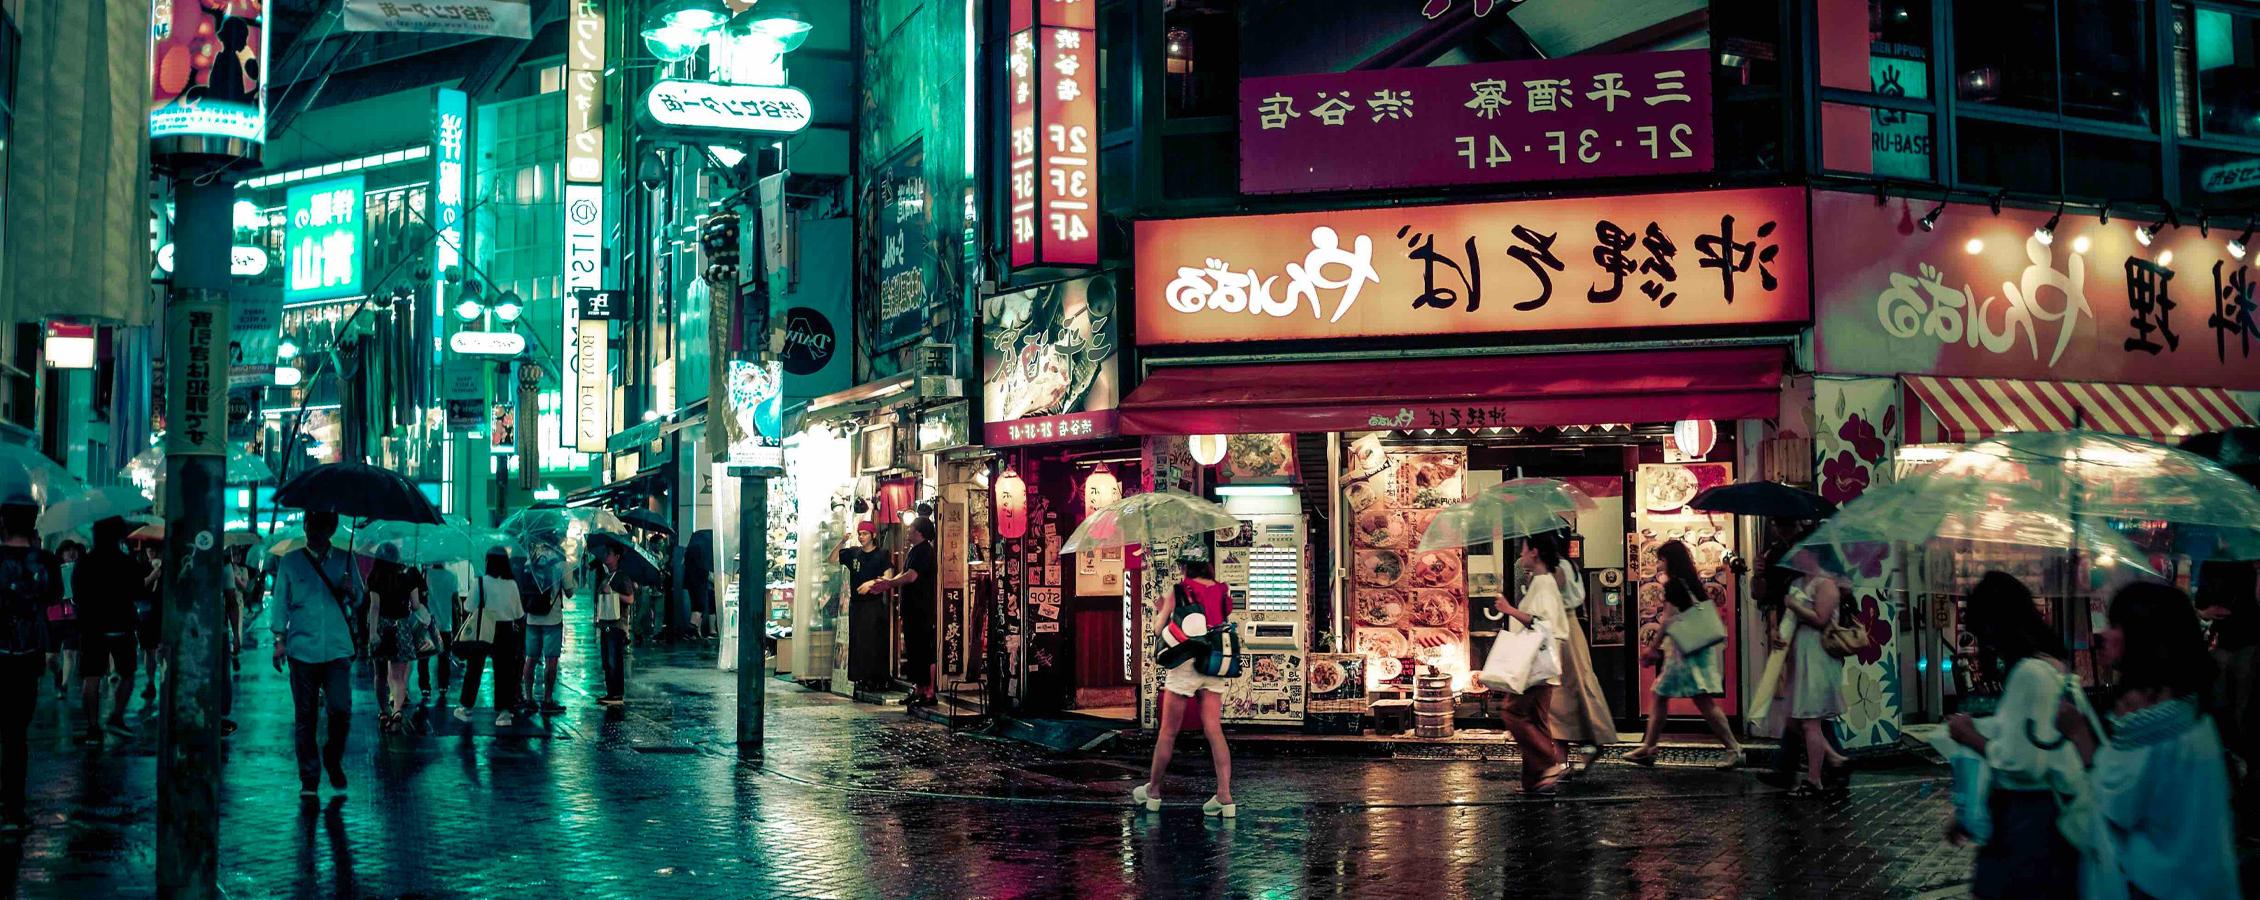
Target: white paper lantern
(1208,449)
(1102,489)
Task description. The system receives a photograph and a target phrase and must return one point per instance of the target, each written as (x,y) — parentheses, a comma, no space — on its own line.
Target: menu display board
(1270,691)
(1661,514)
(1409,606)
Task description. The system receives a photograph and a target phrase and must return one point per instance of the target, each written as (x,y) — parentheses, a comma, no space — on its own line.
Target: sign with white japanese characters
(1981,296)
(207,58)
(322,235)
(584,271)
(465,383)
(584,93)
(1529,120)
(487,343)
(196,374)
(1728,257)
(255,336)
(687,108)
(1052,73)
(450,128)
(2231,176)
(1050,371)
(488,18)
(906,260)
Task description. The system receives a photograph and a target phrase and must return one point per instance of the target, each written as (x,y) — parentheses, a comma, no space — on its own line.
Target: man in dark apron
(869,648)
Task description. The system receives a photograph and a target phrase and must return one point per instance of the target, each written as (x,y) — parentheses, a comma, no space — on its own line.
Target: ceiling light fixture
(2046,234)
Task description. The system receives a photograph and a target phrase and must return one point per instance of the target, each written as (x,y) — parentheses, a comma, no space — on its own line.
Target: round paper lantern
(1102,489)
(1695,437)
(1208,449)
(1012,505)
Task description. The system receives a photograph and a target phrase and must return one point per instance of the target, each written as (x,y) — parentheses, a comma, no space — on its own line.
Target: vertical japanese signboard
(196,379)
(906,259)
(592,403)
(255,336)
(450,126)
(207,58)
(584,218)
(1528,120)
(1052,72)
(322,239)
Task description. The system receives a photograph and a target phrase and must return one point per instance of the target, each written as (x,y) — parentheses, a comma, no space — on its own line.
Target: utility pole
(197,318)
(720,236)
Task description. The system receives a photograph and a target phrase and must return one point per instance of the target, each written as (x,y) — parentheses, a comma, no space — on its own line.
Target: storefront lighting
(1695,437)
(2165,257)
(1208,449)
(69,346)
(2147,233)
(909,516)
(2046,234)
(1101,489)
(1012,505)
(2080,244)
(2238,245)
(1973,247)
(1930,219)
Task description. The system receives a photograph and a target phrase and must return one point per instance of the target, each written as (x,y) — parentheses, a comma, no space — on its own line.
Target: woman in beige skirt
(1577,713)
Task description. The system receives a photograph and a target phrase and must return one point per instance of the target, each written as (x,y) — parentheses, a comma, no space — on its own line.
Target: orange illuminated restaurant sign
(1729,257)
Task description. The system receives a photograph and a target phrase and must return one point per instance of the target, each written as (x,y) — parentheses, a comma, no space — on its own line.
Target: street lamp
(675,29)
(777,20)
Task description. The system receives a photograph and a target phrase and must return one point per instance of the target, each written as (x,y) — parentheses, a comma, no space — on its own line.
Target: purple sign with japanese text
(1533,120)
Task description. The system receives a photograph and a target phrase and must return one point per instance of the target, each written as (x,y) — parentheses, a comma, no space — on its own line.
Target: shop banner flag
(257,333)
(491,18)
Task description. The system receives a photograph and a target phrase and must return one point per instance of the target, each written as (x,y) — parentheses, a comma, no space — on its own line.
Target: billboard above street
(322,239)
(209,58)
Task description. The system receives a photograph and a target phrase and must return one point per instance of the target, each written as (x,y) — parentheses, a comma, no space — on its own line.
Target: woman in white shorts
(1184,683)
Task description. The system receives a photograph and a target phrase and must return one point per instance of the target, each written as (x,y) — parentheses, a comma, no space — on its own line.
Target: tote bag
(1696,629)
(1521,658)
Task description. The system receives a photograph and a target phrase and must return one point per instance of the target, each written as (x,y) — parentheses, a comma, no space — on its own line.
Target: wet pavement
(854,800)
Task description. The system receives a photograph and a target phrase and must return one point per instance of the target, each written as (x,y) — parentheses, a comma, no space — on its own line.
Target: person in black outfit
(916,581)
(698,582)
(28,585)
(104,585)
(869,651)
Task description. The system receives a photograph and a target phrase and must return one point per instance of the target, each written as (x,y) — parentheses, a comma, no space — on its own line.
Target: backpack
(538,602)
(26,587)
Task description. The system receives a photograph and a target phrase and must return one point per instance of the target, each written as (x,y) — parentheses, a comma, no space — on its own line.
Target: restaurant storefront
(1940,327)
(1336,378)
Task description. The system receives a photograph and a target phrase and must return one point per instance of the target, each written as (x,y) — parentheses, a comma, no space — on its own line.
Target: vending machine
(1264,566)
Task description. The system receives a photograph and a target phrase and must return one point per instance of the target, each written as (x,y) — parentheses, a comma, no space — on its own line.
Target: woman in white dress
(2159,785)
(1816,678)
(1577,712)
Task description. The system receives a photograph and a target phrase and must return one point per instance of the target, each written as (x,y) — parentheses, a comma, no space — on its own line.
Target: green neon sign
(323,240)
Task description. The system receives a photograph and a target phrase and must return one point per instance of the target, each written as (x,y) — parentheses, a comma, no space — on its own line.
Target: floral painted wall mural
(1857,435)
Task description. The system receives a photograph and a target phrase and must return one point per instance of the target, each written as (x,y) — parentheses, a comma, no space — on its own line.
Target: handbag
(1841,638)
(1521,658)
(467,646)
(1696,629)
(1223,659)
(427,634)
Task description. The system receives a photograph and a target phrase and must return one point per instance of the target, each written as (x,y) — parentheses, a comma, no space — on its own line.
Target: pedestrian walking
(494,633)
(400,627)
(869,647)
(2026,757)
(236,591)
(698,581)
(2159,783)
(105,585)
(1525,714)
(318,593)
(1815,676)
(1578,712)
(1699,677)
(1197,593)
(545,641)
(29,587)
(151,624)
(615,601)
(441,588)
(62,621)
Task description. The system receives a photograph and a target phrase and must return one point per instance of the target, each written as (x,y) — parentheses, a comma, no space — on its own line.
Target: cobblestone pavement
(855,800)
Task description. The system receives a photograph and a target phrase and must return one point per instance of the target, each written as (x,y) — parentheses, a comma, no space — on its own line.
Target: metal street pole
(753,593)
(720,237)
(196,369)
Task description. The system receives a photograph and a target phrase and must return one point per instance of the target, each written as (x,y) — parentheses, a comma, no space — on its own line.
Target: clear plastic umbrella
(288,540)
(2092,476)
(147,471)
(50,482)
(1923,512)
(83,510)
(423,545)
(565,530)
(1148,519)
(1510,509)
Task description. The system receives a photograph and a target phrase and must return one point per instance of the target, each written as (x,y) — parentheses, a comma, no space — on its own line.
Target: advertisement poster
(1727,257)
(1429,126)
(209,58)
(1660,514)
(905,229)
(465,393)
(1049,366)
(1410,605)
(256,335)
(1098,573)
(1270,691)
(756,422)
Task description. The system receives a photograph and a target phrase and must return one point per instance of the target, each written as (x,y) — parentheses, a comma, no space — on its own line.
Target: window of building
(2084,59)
(2219,78)
(1874,59)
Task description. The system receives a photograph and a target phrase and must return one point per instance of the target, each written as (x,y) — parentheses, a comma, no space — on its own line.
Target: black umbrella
(648,521)
(635,565)
(698,553)
(1763,498)
(2237,449)
(358,491)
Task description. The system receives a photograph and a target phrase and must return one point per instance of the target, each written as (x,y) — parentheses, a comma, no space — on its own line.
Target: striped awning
(1958,410)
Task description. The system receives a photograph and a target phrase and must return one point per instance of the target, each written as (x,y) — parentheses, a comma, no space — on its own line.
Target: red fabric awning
(1476,392)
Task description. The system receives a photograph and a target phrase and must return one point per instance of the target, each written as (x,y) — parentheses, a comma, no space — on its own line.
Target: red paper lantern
(1012,505)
